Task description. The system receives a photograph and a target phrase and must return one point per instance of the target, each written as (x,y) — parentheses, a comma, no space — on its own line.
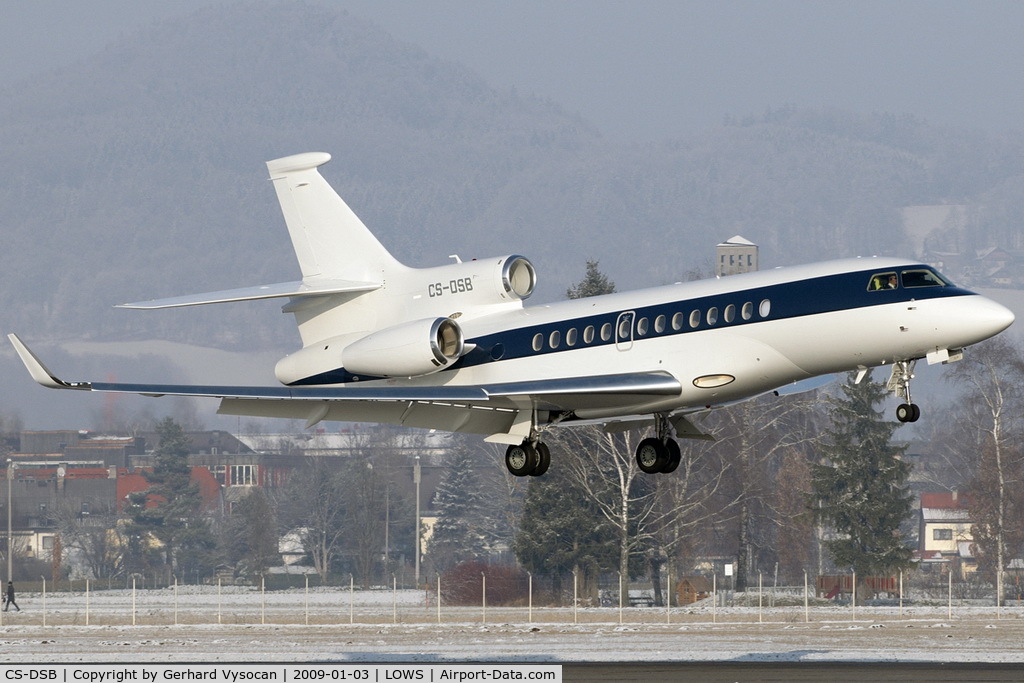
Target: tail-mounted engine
(479,282)
(406,350)
(409,349)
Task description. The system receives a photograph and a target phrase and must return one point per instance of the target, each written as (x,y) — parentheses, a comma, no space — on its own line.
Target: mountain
(138,173)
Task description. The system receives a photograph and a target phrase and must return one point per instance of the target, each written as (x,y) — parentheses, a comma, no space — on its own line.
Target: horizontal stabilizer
(275,291)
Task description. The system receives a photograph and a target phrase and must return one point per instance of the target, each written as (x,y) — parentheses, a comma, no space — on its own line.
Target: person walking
(10,597)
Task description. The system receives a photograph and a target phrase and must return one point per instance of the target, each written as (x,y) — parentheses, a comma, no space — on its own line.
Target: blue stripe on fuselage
(812,296)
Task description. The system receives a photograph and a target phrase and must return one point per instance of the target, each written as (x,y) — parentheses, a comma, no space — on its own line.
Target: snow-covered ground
(200,624)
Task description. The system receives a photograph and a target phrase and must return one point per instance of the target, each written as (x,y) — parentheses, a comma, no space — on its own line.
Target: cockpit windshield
(912,277)
(923,277)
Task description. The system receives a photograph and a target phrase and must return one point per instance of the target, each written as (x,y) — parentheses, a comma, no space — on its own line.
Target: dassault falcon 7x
(453,348)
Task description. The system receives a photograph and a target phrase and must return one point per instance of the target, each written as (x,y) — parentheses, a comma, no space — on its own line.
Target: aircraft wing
(548,394)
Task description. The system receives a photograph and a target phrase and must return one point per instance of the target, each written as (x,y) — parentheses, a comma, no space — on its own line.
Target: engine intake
(406,350)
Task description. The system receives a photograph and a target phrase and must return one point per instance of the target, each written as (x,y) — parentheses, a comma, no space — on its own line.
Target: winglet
(39,372)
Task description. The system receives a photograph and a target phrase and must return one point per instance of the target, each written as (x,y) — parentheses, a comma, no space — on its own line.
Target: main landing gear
(899,384)
(528,459)
(659,454)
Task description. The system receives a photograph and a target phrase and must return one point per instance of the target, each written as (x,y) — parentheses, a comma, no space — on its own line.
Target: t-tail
(360,312)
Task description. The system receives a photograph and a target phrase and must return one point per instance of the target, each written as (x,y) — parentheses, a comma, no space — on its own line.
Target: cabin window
(588,334)
(765,308)
(713,315)
(642,326)
(923,277)
(730,313)
(942,534)
(677,321)
(695,319)
(748,311)
(625,326)
(659,324)
(538,341)
(887,280)
(570,337)
(606,332)
(555,340)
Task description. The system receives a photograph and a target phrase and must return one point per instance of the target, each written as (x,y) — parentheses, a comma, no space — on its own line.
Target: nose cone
(986,318)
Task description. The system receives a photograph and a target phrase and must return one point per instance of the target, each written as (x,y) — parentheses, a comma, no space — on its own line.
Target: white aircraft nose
(987,318)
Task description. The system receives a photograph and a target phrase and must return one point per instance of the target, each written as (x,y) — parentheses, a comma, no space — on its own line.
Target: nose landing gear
(899,385)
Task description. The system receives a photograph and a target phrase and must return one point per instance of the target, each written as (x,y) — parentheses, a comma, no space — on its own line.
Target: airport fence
(90,603)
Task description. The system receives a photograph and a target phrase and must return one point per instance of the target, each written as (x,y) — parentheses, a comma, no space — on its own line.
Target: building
(735,255)
(76,476)
(945,533)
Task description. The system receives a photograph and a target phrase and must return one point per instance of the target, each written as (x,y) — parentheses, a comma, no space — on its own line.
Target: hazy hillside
(139,173)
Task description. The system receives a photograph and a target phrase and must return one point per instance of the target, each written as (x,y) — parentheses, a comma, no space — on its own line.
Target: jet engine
(406,350)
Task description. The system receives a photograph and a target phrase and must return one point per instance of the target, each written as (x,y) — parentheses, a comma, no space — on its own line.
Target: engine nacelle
(406,350)
(476,283)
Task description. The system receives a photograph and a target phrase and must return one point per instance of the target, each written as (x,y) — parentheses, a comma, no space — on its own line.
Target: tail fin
(330,241)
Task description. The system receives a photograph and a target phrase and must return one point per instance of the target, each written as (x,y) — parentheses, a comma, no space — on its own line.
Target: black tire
(521,460)
(675,456)
(915,412)
(543,460)
(905,412)
(652,455)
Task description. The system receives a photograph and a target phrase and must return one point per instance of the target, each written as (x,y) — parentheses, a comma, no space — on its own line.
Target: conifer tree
(562,531)
(860,489)
(170,509)
(594,283)
(460,533)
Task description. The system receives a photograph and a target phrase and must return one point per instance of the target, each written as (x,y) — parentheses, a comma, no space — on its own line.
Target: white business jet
(453,348)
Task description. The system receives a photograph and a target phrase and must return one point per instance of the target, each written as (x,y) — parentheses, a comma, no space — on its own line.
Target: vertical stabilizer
(330,241)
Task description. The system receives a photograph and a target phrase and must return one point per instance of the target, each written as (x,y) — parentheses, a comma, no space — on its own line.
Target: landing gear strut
(659,454)
(899,384)
(528,459)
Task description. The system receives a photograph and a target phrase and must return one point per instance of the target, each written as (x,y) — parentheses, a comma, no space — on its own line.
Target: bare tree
(987,437)
(756,434)
(313,505)
(608,474)
(93,536)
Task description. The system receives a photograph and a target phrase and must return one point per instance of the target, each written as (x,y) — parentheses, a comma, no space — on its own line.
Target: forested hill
(139,174)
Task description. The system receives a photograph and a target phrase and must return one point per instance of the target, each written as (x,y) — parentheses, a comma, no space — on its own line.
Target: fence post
(394,599)
(620,598)
(307,599)
(175,600)
(133,601)
(351,597)
(263,599)
(44,601)
(668,595)
(807,610)
(439,598)
(949,608)
(575,600)
(714,598)
(529,599)
(87,602)
(853,596)
(483,596)
(219,579)
(901,594)
(760,598)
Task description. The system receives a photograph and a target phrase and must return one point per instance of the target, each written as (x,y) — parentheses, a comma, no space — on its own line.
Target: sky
(651,69)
